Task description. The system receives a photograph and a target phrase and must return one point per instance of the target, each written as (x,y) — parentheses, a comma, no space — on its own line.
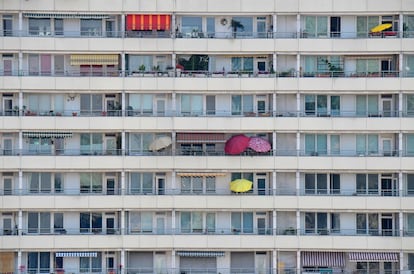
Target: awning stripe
(42,134)
(374,256)
(200,174)
(148,22)
(200,253)
(76,254)
(200,137)
(93,59)
(66,15)
(323,259)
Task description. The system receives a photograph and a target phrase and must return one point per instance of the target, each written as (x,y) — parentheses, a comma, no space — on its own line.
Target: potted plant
(141,69)
(16,111)
(170,71)
(236,25)
(156,69)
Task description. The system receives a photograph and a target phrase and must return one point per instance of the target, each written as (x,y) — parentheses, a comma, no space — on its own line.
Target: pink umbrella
(236,144)
(259,144)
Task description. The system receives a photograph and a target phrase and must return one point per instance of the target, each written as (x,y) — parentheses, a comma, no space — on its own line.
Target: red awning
(200,137)
(148,22)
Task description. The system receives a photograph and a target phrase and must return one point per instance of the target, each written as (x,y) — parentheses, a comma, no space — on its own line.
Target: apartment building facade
(115,120)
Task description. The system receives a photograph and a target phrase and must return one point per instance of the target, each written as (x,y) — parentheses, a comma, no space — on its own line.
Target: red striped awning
(373,257)
(323,259)
(148,22)
(200,137)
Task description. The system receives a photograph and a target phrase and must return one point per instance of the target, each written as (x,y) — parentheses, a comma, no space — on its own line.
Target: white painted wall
(71,27)
(348,223)
(286,142)
(348,26)
(71,183)
(348,145)
(347,183)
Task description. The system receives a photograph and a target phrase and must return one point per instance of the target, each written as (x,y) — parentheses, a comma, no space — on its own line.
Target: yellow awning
(93,59)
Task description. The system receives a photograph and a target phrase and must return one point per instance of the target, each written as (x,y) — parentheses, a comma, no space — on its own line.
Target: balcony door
(386,104)
(7,185)
(335,26)
(110,185)
(160,185)
(7,146)
(386,224)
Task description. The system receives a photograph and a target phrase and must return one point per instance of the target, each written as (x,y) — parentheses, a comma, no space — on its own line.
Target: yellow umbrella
(241,185)
(381,27)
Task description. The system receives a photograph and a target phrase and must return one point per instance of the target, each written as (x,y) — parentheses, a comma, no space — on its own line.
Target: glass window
(322,183)
(38,262)
(33,222)
(310,222)
(91,27)
(191,104)
(410,184)
(185,222)
(335,223)
(58,182)
(44,222)
(322,219)
(309,183)
(361,183)
(310,148)
(322,144)
(373,105)
(247,103)
(372,144)
(211,222)
(91,182)
(58,26)
(191,24)
(197,221)
(372,183)
(247,222)
(373,223)
(210,184)
(410,103)
(365,24)
(96,222)
(39,26)
(410,144)
(146,222)
(236,222)
(242,26)
(322,105)
(185,184)
(236,63)
(335,105)
(316,26)
(236,104)
(90,264)
(410,224)
(85,220)
(310,105)
(361,144)
(361,220)
(361,105)
(335,144)
(58,222)
(211,27)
